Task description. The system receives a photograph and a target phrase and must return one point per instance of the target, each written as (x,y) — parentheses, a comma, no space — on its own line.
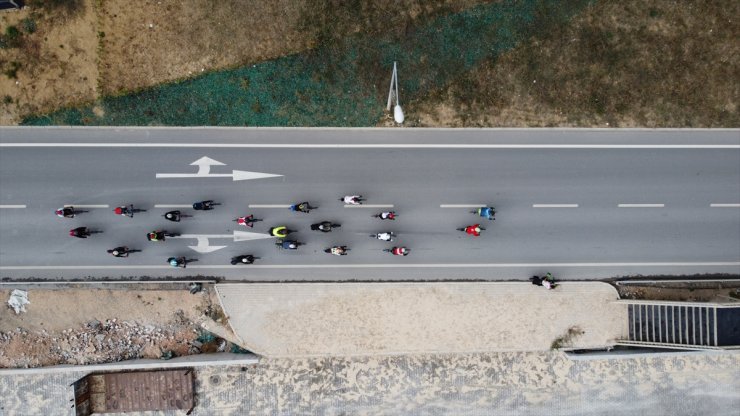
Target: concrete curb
(606,129)
(200,360)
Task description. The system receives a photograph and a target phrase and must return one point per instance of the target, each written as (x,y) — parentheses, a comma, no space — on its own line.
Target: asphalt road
(579,203)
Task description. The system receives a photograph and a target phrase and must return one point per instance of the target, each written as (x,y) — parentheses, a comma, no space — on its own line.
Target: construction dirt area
(88,326)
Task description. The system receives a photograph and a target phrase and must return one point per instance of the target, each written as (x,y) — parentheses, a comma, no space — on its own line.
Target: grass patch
(29,25)
(566,339)
(11,69)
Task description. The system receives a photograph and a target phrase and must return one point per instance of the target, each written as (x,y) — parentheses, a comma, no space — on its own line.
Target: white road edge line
(641,205)
(87,206)
(555,206)
(268,206)
(462,205)
(172,206)
(724,205)
(370,206)
(380,146)
(12,206)
(373,266)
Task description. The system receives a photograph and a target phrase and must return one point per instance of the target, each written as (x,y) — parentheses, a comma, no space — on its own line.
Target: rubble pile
(98,342)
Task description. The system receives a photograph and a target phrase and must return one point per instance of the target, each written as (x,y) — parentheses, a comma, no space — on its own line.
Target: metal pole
(390,93)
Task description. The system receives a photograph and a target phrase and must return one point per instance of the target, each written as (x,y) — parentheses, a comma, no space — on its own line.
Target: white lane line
(12,206)
(462,205)
(641,205)
(555,206)
(86,206)
(173,206)
(384,266)
(370,206)
(268,206)
(380,146)
(724,205)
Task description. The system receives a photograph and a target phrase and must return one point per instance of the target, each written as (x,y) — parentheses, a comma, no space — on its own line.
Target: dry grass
(161,41)
(83,49)
(619,64)
(51,66)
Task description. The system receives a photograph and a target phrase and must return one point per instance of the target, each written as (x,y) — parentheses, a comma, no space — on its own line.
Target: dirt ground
(84,326)
(708,292)
(53,62)
(84,49)
(619,64)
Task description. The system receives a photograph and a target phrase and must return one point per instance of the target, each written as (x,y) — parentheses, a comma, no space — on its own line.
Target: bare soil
(84,49)
(85,326)
(55,65)
(160,40)
(683,292)
(619,64)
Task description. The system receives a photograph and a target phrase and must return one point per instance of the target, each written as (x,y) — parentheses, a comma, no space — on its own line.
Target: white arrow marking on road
(204,171)
(203,247)
(204,165)
(240,175)
(12,206)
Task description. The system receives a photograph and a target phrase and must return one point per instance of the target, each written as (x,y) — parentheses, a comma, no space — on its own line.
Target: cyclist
(337,250)
(352,199)
(126,211)
(301,207)
(384,236)
(487,212)
(65,212)
(246,259)
(289,245)
(400,251)
(246,221)
(156,236)
(80,232)
(279,231)
(473,230)
(173,216)
(324,226)
(387,215)
(203,205)
(177,262)
(119,251)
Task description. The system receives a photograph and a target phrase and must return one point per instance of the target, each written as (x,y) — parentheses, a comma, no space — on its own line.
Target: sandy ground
(512,384)
(405,318)
(100,325)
